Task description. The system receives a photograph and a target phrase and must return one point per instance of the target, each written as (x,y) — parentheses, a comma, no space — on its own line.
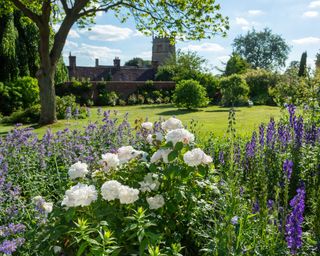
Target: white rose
(110,161)
(147,125)
(155,202)
(37,199)
(157,136)
(149,183)
(196,157)
(47,207)
(78,170)
(80,195)
(110,190)
(126,153)
(57,249)
(128,195)
(180,135)
(171,124)
(161,154)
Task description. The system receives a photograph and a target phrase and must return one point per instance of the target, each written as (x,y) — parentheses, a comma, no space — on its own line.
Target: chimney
(97,62)
(72,61)
(116,62)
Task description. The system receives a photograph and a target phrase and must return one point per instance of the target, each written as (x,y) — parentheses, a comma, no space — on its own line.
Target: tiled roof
(117,74)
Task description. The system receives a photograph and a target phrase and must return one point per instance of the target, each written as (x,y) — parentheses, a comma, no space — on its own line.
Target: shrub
(140,99)
(112,98)
(260,81)
(236,65)
(234,90)
(28,116)
(122,102)
(19,94)
(83,90)
(149,101)
(65,102)
(132,99)
(190,94)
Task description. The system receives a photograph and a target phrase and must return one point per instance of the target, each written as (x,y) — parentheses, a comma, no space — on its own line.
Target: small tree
(303,65)
(236,65)
(234,90)
(190,94)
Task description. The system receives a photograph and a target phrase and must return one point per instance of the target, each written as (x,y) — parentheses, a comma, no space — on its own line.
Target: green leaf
(172,155)
(82,248)
(178,146)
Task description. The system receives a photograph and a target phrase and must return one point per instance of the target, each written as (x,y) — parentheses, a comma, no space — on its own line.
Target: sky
(297,21)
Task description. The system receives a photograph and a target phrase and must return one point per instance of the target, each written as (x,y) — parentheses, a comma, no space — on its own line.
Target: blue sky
(297,21)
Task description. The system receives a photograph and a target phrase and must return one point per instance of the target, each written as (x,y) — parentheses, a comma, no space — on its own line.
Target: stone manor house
(161,51)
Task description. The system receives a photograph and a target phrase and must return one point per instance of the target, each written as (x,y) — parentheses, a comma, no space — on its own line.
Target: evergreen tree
(236,65)
(303,65)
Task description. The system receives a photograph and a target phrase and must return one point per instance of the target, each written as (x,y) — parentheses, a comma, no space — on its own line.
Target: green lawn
(211,119)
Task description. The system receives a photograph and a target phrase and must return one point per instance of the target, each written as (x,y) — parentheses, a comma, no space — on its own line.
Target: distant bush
(28,116)
(140,99)
(65,102)
(19,94)
(234,90)
(83,90)
(122,102)
(190,94)
(112,98)
(260,81)
(132,99)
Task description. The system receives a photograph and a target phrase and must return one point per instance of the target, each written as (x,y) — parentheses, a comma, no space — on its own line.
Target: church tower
(162,49)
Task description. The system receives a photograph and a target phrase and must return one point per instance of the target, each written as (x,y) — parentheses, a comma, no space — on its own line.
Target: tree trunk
(45,77)
(47,96)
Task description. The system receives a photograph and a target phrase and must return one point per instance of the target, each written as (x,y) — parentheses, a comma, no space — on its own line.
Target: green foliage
(18,47)
(262,49)
(291,88)
(61,74)
(83,90)
(260,81)
(234,90)
(190,94)
(27,116)
(183,66)
(236,65)
(303,65)
(65,102)
(138,62)
(21,93)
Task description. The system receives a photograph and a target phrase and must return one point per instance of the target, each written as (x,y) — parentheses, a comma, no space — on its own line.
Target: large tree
(262,49)
(187,19)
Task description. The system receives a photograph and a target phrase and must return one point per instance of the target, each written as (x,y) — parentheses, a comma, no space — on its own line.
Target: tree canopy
(262,49)
(236,65)
(184,19)
(138,62)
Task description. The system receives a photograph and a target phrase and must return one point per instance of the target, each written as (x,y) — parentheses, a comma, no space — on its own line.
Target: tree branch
(30,14)
(65,6)
(101,9)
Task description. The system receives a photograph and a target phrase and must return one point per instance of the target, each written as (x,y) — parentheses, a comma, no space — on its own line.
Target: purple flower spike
(287,168)
(295,220)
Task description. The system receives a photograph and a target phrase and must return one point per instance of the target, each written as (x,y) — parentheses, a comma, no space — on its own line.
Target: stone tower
(161,50)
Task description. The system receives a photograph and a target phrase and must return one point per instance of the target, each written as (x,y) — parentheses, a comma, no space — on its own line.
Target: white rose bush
(133,200)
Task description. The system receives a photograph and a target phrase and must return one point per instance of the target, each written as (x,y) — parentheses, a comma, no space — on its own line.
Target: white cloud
(73,34)
(204,47)
(310,14)
(91,51)
(109,33)
(223,58)
(314,4)
(145,55)
(242,21)
(245,24)
(255,12)
(70,44)
(307,40)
